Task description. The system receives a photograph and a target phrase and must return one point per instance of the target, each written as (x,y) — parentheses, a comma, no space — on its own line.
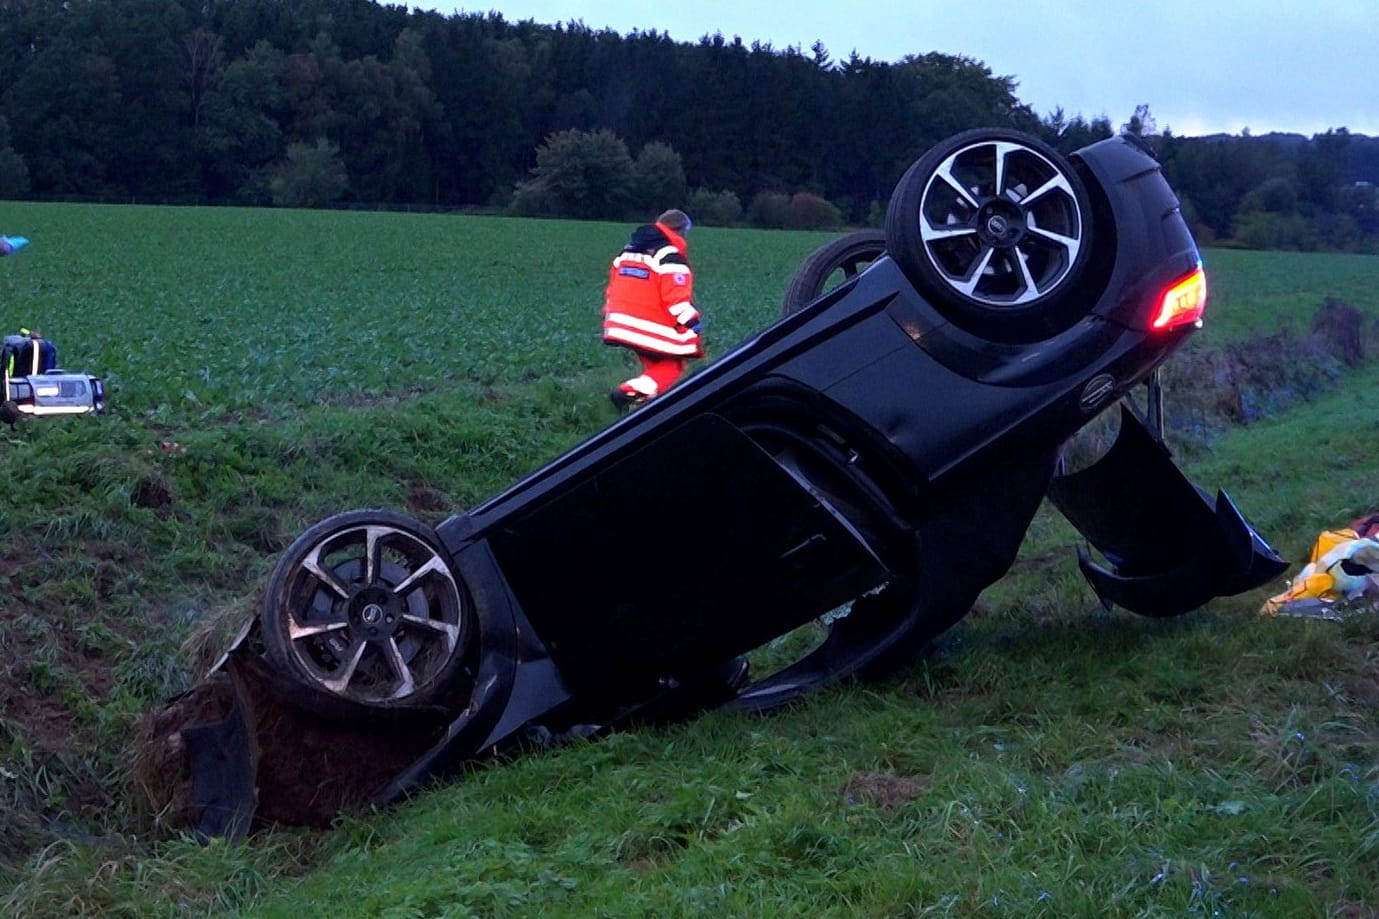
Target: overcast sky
(1202,66)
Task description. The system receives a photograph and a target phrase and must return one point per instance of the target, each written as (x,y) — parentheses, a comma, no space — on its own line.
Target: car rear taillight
(1183,302)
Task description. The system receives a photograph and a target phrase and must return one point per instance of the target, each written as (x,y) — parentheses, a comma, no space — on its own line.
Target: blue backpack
(22,355)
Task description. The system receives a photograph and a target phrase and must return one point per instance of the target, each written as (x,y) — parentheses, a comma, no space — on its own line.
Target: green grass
(195,313)
(1044,762)
(1261,291)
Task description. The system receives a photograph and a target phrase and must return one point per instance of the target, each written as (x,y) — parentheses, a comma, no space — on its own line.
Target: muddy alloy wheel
(364,608)
(994,225)
(830,265)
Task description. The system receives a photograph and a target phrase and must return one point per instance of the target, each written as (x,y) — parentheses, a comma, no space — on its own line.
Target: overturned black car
(844,461)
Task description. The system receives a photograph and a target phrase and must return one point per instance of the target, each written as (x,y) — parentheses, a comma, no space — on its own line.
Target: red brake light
(1183,303)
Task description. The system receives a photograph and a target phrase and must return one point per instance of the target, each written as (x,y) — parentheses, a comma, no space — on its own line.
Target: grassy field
(268,368)
(258,314)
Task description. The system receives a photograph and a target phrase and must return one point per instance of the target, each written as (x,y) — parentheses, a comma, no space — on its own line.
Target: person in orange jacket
(649,308)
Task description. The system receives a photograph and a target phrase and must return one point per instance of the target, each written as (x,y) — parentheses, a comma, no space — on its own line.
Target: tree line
(353,102)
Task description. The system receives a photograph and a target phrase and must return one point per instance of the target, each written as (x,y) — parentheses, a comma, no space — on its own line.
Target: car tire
(830,265)
(995,228)
(364,613)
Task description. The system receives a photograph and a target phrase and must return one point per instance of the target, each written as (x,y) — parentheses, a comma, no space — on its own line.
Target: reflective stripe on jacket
(649,302)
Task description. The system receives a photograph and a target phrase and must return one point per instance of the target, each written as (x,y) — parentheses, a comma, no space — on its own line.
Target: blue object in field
(12,244)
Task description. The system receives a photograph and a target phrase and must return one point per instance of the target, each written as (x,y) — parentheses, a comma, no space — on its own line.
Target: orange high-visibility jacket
(649,303)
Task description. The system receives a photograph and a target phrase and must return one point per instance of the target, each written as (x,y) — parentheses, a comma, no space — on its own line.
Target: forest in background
(360,104)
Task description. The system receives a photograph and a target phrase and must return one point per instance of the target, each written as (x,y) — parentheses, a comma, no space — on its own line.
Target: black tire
(830,265)
(364,613)
(995,227)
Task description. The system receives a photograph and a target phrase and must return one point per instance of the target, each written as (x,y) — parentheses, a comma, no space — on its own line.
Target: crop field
(267,368)
(194,313)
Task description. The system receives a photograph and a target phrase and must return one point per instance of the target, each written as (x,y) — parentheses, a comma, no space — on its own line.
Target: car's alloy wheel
(995,226)
(364,608)
(830,266)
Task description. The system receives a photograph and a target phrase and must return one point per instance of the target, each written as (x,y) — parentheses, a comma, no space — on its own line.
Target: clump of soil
(153,492)
(885,791)
(161,776)
(312,769)
(306,769)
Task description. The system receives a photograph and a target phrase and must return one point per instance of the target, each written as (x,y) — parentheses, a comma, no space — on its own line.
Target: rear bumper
(1170,547)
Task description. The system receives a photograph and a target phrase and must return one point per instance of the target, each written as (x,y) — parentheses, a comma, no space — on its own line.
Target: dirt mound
(318,768)
(161,774)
